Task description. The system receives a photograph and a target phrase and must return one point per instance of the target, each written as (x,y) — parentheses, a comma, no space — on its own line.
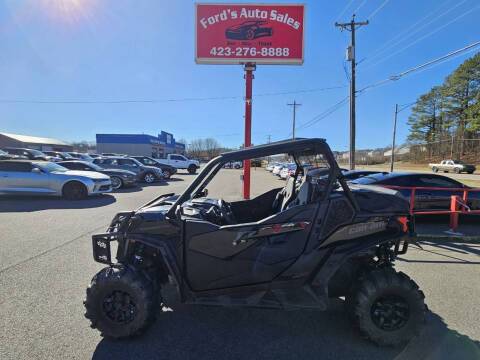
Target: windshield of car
(136,161)
(67,155)
(95,167)
(51,167)
(86,156)
(36,152)
(3,152)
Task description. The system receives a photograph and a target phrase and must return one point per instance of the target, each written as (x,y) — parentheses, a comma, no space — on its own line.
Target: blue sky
(91,50)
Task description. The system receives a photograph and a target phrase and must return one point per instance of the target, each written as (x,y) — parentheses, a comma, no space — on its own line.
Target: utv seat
(284,196)
(304,194)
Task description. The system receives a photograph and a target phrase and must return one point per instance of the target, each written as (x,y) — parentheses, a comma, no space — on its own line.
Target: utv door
(247,253)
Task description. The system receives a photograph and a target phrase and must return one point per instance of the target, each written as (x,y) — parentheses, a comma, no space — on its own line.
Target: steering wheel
(226,212)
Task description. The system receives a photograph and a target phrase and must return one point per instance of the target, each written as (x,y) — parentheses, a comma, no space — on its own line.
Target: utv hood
(379,200)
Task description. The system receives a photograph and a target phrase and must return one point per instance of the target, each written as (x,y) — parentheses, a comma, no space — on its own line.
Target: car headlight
(126,176)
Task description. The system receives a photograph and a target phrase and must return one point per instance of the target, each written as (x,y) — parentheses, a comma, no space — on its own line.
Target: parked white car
(270,166)
(26,177)
(277,168)
(180,162)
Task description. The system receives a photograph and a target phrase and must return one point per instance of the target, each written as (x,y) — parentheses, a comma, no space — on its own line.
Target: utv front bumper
(115,232)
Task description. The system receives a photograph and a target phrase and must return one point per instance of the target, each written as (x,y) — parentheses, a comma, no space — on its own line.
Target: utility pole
(269,137)
(351,57)
(393,140)
(295,104)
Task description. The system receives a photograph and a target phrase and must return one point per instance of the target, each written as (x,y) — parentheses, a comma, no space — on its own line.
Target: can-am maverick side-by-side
(289,248)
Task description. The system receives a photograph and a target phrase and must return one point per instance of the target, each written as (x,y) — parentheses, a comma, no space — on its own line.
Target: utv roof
(299,146)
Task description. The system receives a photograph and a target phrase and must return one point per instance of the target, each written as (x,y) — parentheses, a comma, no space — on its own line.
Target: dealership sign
(249,33)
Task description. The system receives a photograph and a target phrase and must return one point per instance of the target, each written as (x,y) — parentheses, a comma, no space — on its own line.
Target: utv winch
(289,248)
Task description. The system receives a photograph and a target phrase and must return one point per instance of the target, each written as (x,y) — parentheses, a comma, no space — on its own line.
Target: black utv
(289,248)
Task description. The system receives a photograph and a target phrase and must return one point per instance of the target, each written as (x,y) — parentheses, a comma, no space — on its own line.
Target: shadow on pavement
(189,331)
(455,247)
(36,203)
(172,179)
(128,189)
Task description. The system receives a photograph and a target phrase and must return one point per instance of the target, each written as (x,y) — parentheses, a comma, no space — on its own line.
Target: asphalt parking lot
(46,264)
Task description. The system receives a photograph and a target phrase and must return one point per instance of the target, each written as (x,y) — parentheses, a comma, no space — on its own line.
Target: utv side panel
(243,254)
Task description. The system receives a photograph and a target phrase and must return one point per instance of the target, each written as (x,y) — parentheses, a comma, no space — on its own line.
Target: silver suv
(145,173)
(24,177)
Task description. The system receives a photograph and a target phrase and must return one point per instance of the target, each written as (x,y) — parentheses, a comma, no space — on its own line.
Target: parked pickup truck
(180,162)
(456,166)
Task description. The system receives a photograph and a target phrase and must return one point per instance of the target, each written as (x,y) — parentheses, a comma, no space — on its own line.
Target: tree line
(446,120)
(203,149)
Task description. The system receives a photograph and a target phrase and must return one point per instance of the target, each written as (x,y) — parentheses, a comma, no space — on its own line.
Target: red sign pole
(249,68)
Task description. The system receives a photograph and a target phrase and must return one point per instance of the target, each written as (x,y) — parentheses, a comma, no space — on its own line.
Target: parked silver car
(25,177)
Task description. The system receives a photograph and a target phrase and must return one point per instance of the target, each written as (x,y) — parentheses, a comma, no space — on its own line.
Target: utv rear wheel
(192,169)
(387,307)
(120,302)
(74,190)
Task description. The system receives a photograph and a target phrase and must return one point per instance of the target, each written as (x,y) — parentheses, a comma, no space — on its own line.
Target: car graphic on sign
(249,30)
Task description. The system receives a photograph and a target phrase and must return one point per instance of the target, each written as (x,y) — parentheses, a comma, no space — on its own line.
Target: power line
(343,101)
(425,36)
(398,76)
(344,10)
(324,114)
(408,31)
(359,7)
(8,101)
(369,17)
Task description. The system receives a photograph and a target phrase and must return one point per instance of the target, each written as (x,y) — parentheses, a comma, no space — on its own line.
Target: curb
(449,238)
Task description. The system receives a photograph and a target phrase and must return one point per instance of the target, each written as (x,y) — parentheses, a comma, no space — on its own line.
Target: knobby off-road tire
(387,307)
(192,169)
(120,302)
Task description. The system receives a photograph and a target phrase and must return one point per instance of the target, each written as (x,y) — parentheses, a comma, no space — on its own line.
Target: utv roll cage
(294,148)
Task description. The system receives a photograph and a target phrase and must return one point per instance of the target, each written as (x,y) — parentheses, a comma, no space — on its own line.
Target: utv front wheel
(387,307)
(120,302)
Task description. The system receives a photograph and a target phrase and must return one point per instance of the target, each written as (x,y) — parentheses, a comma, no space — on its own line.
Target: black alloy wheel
(390,312)
(119,307)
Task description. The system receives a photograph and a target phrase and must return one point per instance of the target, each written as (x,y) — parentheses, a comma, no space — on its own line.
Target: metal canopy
(313,145)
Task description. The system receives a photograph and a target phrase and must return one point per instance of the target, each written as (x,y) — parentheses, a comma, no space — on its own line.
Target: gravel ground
(46,264)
